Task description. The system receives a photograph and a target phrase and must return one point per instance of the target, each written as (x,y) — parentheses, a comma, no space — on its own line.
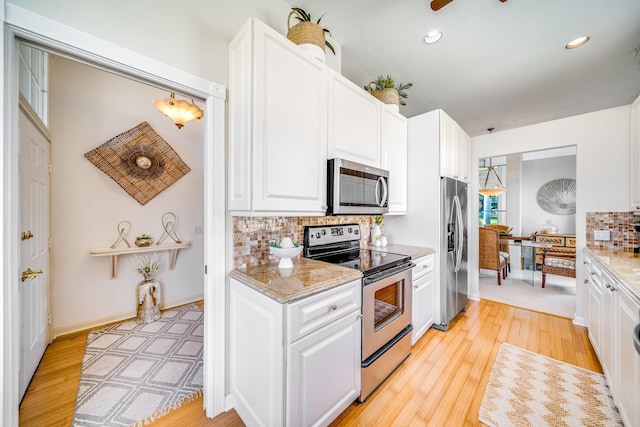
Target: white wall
(602,168)
(536,173)
(89,107)
(192,36)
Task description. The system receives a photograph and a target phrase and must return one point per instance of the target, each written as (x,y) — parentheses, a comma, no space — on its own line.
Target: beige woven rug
(134,373)
(528,389)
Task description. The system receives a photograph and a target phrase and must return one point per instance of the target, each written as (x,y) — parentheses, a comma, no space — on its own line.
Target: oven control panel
(317,235)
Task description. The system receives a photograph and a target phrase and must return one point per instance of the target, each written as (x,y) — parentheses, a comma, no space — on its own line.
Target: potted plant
(148,290)
(376,232)
(387,91)
(308,34)
(143,240)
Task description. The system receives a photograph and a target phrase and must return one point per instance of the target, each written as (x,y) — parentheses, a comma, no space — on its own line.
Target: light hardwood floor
(440,384)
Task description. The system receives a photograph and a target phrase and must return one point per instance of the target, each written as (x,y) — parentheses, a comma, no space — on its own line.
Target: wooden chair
(504,247)
(490,254)
(558,263)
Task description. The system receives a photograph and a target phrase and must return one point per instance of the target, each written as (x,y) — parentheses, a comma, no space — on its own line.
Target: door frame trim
(21,24)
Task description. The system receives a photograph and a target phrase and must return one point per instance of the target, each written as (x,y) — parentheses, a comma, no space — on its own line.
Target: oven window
(389,304)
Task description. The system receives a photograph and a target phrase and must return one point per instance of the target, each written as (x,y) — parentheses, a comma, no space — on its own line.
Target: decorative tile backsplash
(251,235)
(623,234)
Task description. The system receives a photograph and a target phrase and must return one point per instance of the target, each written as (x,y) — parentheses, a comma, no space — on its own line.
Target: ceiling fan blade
(438,4)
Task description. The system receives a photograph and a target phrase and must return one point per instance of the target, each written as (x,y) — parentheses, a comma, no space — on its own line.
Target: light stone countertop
(308,277)
(622,265)
(414,252)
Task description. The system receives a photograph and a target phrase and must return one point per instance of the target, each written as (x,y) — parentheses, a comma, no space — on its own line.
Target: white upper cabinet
(393,141)
(289,113)
(635,155)
(455,150)
(354,117)
(277,126)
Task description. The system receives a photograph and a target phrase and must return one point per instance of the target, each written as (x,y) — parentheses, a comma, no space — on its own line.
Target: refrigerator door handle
(459,233)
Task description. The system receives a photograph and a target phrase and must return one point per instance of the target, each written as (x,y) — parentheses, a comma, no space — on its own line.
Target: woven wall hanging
(140,161)
(558,196)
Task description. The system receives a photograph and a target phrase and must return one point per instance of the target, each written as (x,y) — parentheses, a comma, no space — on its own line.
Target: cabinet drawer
(423,266)
(556,240)
(314,312)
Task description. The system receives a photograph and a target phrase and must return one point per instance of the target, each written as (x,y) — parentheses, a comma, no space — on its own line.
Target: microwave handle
(385,191)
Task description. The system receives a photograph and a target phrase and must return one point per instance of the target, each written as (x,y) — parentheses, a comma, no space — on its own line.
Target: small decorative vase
(148,301)
(549,228)
(375,234)
(143,242)
(383,240)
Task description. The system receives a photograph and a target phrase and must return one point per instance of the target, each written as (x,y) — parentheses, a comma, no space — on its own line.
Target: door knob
(29,274)
(26,235)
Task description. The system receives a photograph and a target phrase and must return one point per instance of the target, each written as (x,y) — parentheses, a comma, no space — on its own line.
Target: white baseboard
(580,321)
(117,317)
(228,402)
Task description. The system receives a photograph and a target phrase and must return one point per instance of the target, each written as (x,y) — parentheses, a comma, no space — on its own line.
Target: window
(492,210)
(34,79)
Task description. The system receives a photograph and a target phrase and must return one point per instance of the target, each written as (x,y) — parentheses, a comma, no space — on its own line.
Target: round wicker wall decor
(558,196)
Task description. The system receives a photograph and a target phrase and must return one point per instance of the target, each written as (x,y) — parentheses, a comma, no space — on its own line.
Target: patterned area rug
(134,373)
(528,389)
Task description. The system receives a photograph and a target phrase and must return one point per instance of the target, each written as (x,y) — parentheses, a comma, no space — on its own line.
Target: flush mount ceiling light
(180,112)
(577,42)
(432,36)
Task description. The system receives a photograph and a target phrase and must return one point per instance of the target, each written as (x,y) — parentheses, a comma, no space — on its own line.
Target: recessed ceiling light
(577,42)
(432,36)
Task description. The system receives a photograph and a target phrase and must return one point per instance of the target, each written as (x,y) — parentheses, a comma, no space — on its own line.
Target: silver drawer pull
(333,307)
(415,287)
(359,316)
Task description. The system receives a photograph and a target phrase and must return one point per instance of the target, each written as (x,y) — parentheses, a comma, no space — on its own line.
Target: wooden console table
(564,245)
(173,249)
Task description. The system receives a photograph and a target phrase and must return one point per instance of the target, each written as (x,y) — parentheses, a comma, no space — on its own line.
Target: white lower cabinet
(592,279)
(423,302)
(295,364)
(613,315)
(628,360)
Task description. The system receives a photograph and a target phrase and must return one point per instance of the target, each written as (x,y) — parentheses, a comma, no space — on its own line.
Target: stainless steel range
(386,297)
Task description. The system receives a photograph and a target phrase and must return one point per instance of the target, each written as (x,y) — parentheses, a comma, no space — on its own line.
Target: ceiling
(500,65)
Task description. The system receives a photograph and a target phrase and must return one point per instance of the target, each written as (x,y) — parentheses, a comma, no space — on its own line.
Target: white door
(34,249)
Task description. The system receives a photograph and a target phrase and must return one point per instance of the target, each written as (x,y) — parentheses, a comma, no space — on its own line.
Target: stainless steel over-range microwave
(356,189)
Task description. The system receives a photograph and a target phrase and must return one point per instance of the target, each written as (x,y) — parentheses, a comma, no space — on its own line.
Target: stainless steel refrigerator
(453,251)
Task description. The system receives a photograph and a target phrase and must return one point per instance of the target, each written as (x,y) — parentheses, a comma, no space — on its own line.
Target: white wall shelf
(173,249)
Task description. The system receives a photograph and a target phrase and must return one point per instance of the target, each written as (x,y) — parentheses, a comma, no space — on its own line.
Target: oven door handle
(367,280)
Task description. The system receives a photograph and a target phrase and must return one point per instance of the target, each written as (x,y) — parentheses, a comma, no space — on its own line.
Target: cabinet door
(595,315)
(323,372)
(635,155)
(354,122)
(393,132)
(289,158)
(423,305)
(256,355)
(463,154)
(448,135)
(608,330)
(628,366)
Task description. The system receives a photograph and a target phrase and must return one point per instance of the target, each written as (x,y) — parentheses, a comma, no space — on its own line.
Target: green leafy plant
(306,17)
(276,245)
(378,220)
(147,266)
(388,83)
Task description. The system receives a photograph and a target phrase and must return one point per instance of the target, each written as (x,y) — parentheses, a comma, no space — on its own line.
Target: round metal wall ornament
(558,196)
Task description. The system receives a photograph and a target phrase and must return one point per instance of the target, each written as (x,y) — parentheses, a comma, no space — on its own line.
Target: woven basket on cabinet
(388,95)
(305,32)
